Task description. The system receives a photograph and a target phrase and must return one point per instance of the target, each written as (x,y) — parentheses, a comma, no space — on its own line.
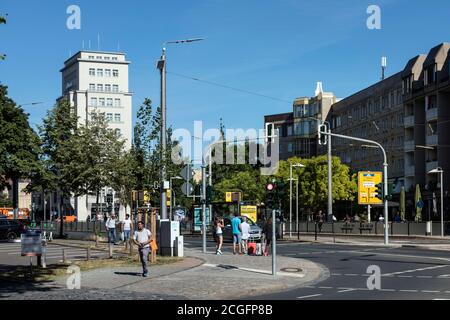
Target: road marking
(280,273)
(430,291)
(444,276)
(351,274)
(325,287)
(310,296)
(336,274)
(409,291)
(415,270)
(388,290)
(346,290)
(405,276)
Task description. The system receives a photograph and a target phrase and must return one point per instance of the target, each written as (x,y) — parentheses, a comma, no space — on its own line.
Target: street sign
(420,204)
(367,182)
(187,173)
(250,212)
(146,197)
(228,197)
(31,244)
(169,194)
(187,188)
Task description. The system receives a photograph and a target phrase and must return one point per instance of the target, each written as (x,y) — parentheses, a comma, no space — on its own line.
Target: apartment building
(298,129)
(96,81)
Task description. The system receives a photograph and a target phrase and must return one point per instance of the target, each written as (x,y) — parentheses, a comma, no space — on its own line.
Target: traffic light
(322,138)
(270,194)
(391,187)
(380,191)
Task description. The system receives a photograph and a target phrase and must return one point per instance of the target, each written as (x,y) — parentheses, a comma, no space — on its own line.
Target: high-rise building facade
(95,81)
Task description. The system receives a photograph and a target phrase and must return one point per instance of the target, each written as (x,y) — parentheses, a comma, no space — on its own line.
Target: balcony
(409,121)
(431,165)
(409,145)
(409,170)
(432,140)
(431,114)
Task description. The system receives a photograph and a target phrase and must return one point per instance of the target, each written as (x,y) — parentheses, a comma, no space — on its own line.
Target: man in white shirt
(111,228)
(245,229)
(142,238)
(126,228)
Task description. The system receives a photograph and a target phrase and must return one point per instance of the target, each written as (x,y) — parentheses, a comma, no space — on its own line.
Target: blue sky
(276,48)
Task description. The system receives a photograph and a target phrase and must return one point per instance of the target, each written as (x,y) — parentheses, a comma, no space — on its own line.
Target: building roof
(413,64)
(279,117)
(437,54)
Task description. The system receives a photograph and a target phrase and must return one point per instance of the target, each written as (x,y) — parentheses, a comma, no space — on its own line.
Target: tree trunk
(60,206)
(97,210)
(15,197)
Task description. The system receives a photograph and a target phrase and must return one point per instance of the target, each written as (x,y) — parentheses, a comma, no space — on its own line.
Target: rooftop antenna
(383,67)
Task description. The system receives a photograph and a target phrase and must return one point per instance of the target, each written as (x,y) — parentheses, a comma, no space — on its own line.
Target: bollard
(88,253)
(110,251)
(64,255)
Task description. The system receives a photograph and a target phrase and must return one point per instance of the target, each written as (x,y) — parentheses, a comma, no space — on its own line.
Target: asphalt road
(406,273)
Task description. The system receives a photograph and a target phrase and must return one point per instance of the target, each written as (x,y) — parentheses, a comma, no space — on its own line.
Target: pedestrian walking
(218,228)
(245,228)
(111,228)
(126,227)
(142,238)
(237,234)
(319,220)
(267,230)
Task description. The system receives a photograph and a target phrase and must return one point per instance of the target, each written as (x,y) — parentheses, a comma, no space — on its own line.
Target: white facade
(98,81)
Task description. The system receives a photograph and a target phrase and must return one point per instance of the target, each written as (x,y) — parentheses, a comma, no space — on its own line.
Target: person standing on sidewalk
(142,238)
(245,227)
(268,232)
(218,228)
(237,234)
(111,228)
(126,227)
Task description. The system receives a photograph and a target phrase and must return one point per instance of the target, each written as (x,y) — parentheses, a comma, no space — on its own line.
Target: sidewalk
(198,277)
(432,243)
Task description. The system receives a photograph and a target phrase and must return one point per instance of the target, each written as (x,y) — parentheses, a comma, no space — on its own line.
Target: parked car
(255,230)
(11,229)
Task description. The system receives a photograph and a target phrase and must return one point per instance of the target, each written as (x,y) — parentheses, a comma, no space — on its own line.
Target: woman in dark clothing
(267,235)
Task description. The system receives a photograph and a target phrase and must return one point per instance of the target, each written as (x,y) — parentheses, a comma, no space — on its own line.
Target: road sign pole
(274,244)
(204,207)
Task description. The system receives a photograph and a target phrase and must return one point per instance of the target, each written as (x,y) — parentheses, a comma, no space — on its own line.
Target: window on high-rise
(118,132)
(107,87)
(114,58)
(99,57)
(91,87)
(109,102)
(117,117)
(289,131)
(108,73)
(91,57)
(100,87)
(92,72)
(94,102)
(290,147)
(107,58)
(115,88)
(109,117)
(99,72)
(115,73)
(117,103)
(101,102)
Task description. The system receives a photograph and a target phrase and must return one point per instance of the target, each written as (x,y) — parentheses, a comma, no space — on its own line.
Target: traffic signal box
(380,191)
(210,194)
(275,192)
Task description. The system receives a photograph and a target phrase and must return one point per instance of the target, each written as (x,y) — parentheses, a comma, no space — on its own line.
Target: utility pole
(330,178)
(204,206)
(162,67)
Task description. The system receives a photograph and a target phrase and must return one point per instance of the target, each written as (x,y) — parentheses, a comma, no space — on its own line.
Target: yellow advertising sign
(146,197)
(229,197)
(250,212)
(367,181)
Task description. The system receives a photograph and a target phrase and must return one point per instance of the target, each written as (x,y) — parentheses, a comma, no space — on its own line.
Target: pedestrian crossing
(53,252)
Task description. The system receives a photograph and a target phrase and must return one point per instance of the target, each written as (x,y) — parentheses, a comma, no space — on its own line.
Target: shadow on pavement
(136,274)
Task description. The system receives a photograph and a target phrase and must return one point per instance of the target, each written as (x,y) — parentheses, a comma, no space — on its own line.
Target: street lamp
(441,173)
(162,66)
(296,165)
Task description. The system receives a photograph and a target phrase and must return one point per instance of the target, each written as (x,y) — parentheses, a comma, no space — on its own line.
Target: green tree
(19,145)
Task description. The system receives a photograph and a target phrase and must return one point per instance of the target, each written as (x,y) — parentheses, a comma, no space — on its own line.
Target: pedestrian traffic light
(391,187)
(379,191)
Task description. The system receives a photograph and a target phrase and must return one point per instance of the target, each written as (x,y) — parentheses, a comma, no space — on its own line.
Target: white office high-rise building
(94,80)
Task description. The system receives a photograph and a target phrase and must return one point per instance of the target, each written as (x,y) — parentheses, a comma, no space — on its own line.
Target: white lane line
(405,276)
(336,274)
(409,291)
(415,270)
(388,290)
(310,296)
(346,290)
(351,274)
(430,291)
(325,287)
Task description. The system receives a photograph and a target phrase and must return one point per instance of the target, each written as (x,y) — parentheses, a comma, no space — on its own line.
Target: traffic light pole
(204,207)
(385,174)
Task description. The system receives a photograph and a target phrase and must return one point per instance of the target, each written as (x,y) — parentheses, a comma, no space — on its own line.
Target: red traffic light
(270,187)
